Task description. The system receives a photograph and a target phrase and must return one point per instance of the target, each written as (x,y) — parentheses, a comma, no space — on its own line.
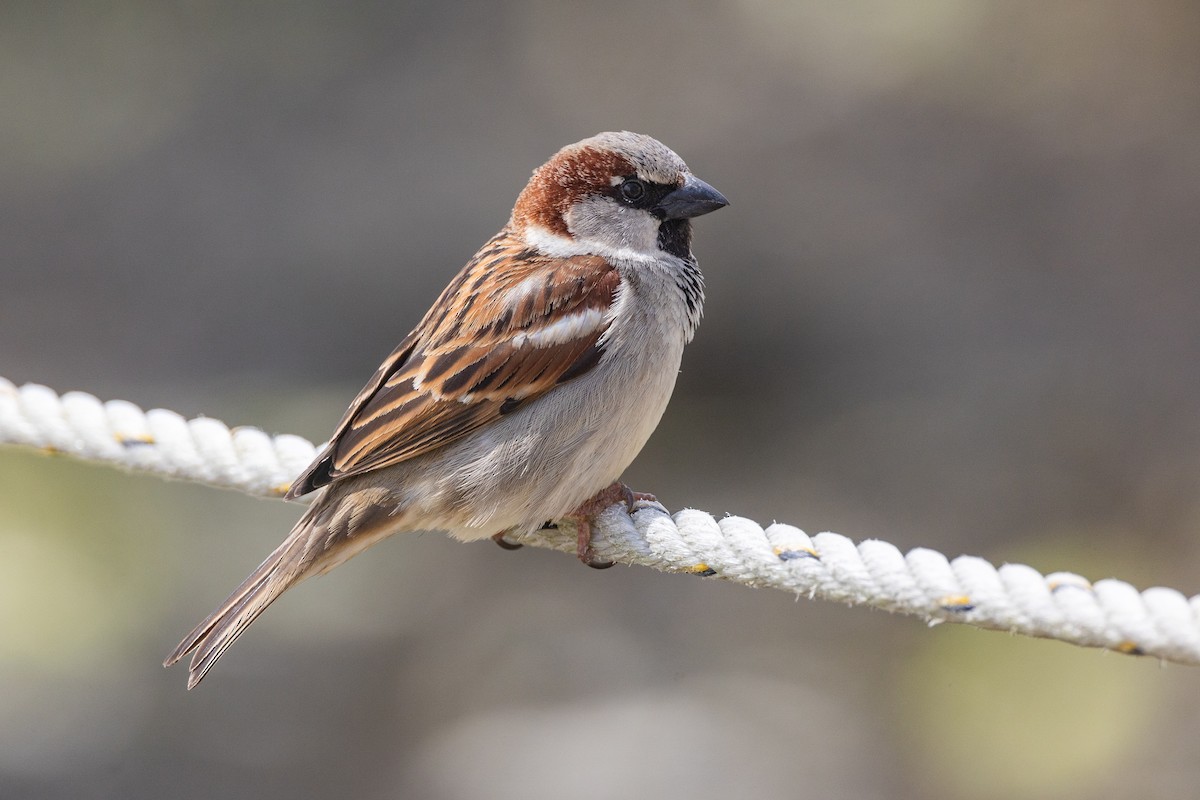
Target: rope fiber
(1159,622)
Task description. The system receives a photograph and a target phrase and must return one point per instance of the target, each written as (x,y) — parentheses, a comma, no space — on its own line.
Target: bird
(523,393)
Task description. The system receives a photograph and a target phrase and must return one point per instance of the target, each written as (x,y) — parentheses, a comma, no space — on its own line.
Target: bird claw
(505,543)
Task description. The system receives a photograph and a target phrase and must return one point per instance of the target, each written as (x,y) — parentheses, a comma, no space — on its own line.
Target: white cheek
(559,246)
(606,222)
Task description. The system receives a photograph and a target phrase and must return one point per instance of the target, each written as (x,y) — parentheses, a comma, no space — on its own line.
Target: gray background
(954,303)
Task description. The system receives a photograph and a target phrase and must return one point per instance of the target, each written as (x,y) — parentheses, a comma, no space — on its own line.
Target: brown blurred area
(954,303)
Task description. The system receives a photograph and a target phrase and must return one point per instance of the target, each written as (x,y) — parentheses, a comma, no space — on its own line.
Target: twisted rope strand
(1110,613)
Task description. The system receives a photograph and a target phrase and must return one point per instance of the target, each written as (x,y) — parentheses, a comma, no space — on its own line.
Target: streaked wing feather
(452,375)
(318,473)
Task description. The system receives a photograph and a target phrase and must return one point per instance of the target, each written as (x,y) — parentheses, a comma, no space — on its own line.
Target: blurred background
(954,304)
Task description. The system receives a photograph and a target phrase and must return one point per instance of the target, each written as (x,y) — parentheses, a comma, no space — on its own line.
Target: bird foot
(583,516)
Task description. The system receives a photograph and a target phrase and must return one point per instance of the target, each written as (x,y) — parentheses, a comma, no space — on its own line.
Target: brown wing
(529,323)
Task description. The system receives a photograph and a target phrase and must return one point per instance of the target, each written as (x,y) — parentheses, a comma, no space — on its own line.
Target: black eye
(633,189)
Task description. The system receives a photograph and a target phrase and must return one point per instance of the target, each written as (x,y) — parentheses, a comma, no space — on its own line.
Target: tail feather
(221,628)
(335,527)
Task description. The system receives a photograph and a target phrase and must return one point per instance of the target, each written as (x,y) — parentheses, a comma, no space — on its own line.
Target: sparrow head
(614,191)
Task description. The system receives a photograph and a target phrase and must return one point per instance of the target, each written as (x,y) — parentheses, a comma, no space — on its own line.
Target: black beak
(692,199)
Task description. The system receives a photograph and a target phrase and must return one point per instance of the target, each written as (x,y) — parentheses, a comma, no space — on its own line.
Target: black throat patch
(675,237)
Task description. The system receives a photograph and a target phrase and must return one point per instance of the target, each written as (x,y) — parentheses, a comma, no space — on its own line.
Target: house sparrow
(527,388)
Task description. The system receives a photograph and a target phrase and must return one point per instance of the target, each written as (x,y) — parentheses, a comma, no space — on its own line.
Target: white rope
(158,441)
(1109,613)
